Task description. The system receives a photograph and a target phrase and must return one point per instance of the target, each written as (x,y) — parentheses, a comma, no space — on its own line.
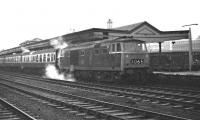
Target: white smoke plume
(52,72)
(24,50)
(58,43)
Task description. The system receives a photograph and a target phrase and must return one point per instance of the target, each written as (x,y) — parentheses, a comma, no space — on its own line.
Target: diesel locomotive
(122,58)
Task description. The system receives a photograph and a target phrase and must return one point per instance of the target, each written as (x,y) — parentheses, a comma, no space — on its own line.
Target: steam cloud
(52,72)
(58,43)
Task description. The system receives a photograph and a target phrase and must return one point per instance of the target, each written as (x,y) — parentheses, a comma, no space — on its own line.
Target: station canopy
(146,32)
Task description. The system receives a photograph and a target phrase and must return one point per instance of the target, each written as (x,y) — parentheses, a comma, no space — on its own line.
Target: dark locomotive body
(107,60)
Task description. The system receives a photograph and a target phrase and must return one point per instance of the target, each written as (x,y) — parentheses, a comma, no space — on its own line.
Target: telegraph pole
(190,45)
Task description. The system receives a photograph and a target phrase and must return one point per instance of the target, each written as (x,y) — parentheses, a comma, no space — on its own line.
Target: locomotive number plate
(137,61)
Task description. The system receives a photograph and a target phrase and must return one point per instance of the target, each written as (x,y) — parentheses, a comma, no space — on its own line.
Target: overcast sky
(28,19)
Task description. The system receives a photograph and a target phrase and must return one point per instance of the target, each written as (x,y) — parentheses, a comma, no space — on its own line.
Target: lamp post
(190,45)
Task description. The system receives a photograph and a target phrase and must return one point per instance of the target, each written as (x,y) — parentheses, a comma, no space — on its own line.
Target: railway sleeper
(102,113)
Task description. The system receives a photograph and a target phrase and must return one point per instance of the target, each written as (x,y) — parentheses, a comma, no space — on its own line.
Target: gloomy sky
(28,19)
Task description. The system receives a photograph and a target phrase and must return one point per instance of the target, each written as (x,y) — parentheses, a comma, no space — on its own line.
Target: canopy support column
(160,51)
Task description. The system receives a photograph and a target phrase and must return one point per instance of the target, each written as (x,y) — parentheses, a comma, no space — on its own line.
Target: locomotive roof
(93,43)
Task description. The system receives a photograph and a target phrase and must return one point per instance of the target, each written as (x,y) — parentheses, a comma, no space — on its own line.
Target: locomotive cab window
(118,47)
(115,47)
(135,47)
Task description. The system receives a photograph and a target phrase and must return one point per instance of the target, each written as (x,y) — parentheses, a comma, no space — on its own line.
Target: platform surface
(195,73)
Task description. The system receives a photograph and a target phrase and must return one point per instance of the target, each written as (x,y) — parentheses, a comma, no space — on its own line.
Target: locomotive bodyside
(106,61)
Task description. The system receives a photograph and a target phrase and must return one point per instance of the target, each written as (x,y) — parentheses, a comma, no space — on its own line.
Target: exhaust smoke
(53,73)
(58,43)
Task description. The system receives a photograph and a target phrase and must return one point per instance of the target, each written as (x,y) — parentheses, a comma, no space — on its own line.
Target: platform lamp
(190,45)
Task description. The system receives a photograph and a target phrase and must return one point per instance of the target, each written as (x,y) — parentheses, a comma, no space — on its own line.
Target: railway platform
(185,73)
(181,79)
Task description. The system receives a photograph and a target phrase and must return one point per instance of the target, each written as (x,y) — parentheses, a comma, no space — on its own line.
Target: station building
(177,45)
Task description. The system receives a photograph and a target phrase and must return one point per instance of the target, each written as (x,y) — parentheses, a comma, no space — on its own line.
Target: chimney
(109,24)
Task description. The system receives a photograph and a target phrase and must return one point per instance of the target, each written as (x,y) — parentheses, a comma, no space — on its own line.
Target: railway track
(98,109)
(9,111)
(177,98)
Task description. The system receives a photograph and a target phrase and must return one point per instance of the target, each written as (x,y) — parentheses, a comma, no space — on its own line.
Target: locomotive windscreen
(134,47)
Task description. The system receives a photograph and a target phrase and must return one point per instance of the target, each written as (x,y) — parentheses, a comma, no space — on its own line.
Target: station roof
(149,33)
(141,31)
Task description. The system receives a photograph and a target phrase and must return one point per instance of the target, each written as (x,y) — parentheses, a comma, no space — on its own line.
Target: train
(122,58)
(174,61)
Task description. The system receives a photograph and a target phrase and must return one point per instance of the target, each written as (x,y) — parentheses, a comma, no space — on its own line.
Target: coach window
(40,57)
(15,60)
(48,57)
(52,57)
(44,58)
(32,58)
(27,58)
(37,58)
(118,47)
